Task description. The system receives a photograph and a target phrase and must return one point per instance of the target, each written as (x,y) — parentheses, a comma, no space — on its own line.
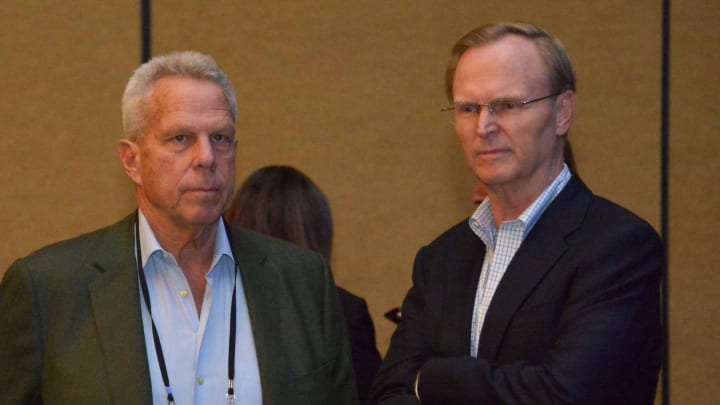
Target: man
(547,294)
(170,304)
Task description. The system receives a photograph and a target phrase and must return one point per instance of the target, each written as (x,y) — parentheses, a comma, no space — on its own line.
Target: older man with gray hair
(172,305)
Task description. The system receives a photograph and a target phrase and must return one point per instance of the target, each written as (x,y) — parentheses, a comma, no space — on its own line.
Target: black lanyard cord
(230,396)
(156,338)
(231,350)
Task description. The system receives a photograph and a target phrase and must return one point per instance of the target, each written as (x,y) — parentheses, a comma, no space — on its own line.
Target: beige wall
(695,204)
(63,69)
(350,93)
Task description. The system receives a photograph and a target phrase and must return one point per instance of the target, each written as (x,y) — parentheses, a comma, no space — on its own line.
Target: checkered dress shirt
(500,247)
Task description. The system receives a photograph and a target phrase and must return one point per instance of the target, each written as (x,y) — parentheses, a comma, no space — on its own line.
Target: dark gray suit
(71,329)
(575,318)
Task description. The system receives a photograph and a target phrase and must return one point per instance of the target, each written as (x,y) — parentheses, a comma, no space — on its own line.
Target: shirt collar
(482,221)
(149,243)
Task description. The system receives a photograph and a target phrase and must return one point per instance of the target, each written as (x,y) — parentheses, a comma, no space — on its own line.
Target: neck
(510,201)
(192,246)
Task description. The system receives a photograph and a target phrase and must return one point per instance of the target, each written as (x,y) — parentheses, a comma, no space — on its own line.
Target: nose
(485,122)
(204,153)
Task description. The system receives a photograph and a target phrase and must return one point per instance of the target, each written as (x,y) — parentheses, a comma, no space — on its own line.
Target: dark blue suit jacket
(575,318)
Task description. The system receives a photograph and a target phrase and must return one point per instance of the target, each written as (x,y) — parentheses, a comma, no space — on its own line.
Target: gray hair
(562,75)
(186,64)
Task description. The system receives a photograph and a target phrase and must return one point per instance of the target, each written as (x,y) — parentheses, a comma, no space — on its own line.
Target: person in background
(547,294)
(283,202)
(172,305)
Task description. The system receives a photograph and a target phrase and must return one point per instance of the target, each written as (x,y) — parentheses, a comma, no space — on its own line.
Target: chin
(201,218)
(494,175)
(487,178)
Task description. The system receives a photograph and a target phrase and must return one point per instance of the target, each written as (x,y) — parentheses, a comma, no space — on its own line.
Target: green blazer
(71,329)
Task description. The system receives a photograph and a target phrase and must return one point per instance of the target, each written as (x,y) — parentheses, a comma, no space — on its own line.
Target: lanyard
(230,396)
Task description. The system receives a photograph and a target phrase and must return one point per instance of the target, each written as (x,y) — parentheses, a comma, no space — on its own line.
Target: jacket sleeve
(20,338)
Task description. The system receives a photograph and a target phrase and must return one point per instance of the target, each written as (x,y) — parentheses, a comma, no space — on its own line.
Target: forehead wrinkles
(164,99)
(512,63)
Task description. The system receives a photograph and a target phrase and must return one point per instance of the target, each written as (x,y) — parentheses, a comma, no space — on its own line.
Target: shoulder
(607,221)
(59,274)
(69,254)
(247,243)
(605,210)
(578,208)
(264,257)
(595,229)
(351,301)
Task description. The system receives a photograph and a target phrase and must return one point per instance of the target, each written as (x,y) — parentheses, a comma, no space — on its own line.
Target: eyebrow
(183,128)
(514,98)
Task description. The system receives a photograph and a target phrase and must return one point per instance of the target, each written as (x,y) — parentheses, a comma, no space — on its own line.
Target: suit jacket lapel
(115,303)
(259,278)
(539,251)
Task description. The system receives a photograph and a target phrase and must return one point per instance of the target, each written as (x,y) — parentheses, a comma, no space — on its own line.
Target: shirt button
(200,380)
(183,293)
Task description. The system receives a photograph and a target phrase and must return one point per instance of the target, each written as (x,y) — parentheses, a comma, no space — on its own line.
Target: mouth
(491,153)
(205,193)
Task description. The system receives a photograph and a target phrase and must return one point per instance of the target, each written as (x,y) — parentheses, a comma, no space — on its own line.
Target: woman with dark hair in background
(283,202)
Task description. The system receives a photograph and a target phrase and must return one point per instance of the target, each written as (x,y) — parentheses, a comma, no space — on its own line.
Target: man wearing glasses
(547,293)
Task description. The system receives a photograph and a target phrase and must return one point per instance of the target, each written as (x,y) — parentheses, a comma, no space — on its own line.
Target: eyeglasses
(499,108)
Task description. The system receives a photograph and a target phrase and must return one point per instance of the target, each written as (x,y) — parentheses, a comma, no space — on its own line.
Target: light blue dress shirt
(500,248)
(195,346)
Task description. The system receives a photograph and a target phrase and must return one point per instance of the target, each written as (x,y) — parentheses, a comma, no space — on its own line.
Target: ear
(565,105)
(130,157)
